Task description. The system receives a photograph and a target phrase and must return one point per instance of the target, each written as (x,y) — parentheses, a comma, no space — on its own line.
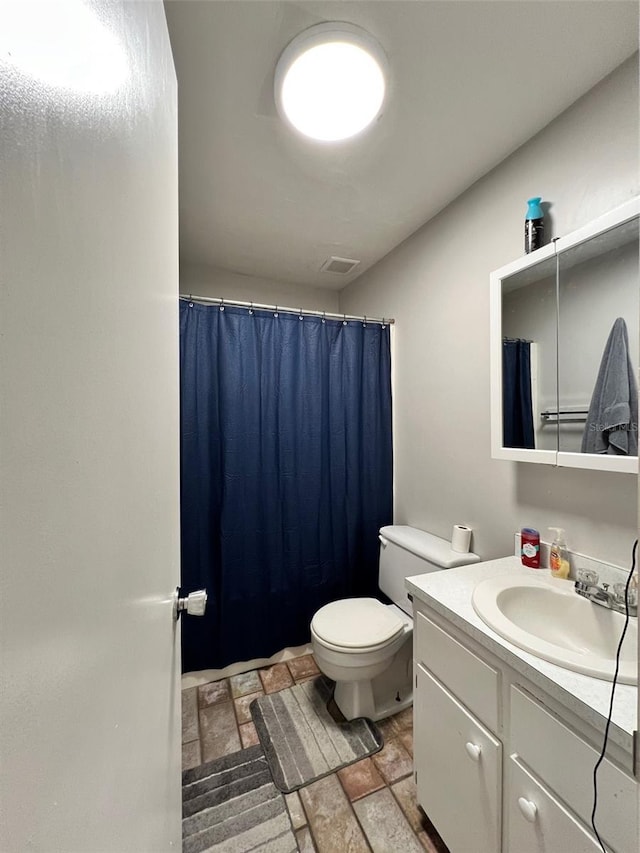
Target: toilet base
(379,697)
(355,699)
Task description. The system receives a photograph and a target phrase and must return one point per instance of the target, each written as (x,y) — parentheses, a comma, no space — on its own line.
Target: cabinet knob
(528,809)
(473,751)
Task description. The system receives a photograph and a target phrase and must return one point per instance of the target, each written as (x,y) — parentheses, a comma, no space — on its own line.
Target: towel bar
(565,416)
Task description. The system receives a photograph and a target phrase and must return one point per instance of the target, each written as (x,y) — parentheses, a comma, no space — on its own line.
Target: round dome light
(330,81)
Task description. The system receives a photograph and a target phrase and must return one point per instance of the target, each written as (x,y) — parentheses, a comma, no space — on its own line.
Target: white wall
(89,485)
(436,285)
(211,281)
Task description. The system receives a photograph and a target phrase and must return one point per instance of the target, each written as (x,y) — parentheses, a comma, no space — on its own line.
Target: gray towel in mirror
(612,422)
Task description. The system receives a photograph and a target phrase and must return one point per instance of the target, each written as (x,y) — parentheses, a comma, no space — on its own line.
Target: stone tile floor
(367,807)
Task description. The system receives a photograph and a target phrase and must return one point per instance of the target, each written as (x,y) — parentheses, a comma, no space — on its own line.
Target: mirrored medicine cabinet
(564,349)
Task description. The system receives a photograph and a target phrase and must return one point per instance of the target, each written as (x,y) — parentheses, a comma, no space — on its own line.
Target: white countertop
(449,593)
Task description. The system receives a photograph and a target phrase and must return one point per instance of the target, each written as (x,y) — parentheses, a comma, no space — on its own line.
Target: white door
(89,697)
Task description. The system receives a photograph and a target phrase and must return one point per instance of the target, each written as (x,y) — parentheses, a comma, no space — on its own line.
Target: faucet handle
(588,576)
(619,590)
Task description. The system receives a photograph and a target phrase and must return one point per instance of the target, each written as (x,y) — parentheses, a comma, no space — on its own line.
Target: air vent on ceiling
(342,266)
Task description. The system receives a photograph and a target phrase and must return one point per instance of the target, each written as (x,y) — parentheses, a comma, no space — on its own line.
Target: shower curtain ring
(364,323)
(275,313)
(324,316)
(222,304)
(344,320)
(300,317)
(251,308)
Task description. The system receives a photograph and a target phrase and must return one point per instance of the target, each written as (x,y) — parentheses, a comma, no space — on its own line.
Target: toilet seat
(357,624)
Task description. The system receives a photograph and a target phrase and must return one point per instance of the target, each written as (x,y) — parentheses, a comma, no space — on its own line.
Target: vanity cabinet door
(564,761)
(539,823)
(459,766)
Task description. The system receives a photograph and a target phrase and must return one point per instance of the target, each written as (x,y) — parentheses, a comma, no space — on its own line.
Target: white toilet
(365,646)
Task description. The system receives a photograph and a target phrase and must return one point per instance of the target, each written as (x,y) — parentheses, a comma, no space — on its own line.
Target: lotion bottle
(558,556)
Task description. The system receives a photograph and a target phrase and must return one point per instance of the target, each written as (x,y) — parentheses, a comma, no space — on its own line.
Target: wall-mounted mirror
(564,349)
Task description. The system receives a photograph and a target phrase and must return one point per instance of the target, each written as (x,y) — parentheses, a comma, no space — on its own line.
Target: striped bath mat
(231,805)
(302,741)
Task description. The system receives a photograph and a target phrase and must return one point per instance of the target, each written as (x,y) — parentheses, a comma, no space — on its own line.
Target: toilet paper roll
(461,538)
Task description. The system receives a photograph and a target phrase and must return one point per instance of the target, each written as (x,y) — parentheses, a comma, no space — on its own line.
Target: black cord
(613,691)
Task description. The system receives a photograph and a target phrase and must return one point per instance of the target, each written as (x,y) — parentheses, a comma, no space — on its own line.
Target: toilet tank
(406,551)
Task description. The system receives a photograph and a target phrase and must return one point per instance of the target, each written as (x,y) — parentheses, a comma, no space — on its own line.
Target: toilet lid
(356,623)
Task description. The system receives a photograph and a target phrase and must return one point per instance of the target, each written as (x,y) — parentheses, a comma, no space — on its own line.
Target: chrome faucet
(587,586)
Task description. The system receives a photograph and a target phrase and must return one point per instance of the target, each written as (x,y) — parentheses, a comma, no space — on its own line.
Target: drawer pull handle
(528,809)
(473,751)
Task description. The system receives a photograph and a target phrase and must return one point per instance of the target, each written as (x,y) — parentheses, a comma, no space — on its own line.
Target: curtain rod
(260,307)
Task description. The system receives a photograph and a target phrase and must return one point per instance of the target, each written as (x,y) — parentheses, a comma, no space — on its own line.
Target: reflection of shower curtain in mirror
(517,410)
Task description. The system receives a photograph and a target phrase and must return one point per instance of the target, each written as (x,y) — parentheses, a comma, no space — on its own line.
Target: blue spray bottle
(533,225)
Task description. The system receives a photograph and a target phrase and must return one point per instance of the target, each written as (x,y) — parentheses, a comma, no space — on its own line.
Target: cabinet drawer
(459,763)
(565,762)
(472,680)
(551,827)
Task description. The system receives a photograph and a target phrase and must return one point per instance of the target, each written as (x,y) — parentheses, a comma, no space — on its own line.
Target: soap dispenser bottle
(558,556)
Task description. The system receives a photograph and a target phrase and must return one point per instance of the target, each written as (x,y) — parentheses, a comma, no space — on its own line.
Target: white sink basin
(546,617)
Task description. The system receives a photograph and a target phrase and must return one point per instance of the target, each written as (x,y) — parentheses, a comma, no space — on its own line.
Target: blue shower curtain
(286,473)
(517,409)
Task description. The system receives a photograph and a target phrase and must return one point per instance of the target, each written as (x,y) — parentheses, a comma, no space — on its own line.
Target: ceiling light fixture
(64,44)
(330,81)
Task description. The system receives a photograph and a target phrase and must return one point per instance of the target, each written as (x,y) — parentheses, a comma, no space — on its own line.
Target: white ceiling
(470,82)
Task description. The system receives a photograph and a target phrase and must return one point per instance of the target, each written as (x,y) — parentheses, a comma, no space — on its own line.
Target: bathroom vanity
(505,742)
